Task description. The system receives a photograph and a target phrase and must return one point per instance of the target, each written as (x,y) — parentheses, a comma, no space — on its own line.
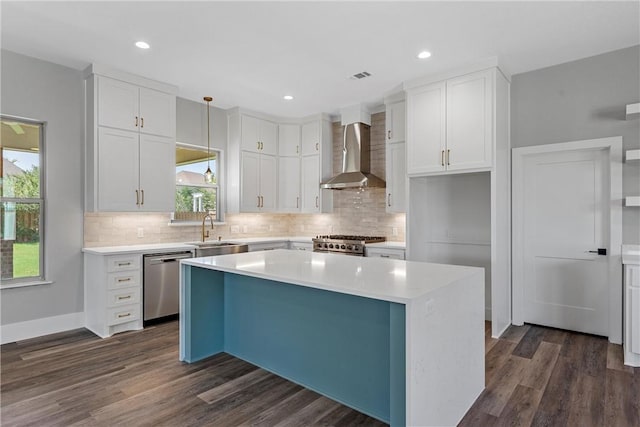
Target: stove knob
(356,247)
(331,246)
(343,246)
(325,246)
(349,247)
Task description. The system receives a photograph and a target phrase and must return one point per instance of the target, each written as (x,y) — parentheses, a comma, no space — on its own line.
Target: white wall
(579,100)
(47,92)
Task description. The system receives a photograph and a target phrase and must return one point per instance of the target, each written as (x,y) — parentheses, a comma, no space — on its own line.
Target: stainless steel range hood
(355,160)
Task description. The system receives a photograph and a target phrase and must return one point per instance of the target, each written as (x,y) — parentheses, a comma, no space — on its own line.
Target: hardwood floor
(534,375)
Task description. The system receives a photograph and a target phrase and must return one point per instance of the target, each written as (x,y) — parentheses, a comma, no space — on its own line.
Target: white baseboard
(35,328)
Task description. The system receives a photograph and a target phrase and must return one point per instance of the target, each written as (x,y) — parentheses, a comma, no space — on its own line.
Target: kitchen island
(400,341)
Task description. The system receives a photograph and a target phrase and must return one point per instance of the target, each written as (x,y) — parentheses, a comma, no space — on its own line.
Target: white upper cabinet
(311,184)
(426,129)
(289,184)
(396,177)
(469,121)
(259,136)
(126,106)
(130,147)
(311,138)
(395,118)
(258,185)
(450,125)
(288,140)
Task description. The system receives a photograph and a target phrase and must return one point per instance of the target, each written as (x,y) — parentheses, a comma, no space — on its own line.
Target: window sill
(191,223)
(25,284)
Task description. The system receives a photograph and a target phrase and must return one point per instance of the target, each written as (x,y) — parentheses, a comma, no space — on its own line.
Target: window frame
(219,185)
(41,201)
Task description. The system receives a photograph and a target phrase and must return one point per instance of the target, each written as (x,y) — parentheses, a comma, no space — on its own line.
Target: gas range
(344,244)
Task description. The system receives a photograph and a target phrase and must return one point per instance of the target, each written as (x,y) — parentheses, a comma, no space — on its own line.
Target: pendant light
(208,175)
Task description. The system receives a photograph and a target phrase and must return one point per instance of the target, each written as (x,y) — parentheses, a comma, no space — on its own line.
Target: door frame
(613,147)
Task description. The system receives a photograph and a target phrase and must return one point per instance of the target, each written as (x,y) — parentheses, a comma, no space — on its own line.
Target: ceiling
(250,54)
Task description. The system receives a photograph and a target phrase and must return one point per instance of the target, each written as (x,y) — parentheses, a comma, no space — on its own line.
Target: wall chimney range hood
(355,161)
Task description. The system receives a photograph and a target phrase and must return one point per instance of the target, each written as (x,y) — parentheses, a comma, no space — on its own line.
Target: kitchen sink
(218,248)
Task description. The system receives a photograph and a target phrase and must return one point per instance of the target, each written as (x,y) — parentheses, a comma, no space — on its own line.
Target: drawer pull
(124,264)
(120,298)
(384,256)
(128,279)
(121,315)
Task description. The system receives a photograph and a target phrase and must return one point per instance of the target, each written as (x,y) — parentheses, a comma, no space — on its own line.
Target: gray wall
(583,99)
(47,92)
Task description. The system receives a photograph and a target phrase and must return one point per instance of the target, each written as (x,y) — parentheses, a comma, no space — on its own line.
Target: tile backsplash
(354,212)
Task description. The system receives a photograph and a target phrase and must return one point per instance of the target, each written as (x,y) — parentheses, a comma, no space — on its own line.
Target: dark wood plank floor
(535,376)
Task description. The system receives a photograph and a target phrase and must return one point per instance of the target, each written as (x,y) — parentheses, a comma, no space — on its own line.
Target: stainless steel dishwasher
(161,283)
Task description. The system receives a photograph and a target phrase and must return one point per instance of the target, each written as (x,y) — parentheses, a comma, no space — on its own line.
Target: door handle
(136,121)
(258,202)
(137,198)
(389,200)
(388,134)
(600,251)
(141,197)
(448,157)
(141,122)
(317,205)
(442,157)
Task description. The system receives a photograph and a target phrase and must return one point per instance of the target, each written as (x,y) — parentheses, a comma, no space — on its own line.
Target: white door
(117,104)
(268,183)
(157,113)
(396,177)
(289,184)
(289,140)
(118,170)
(249,184)
(470,121)
(310,138)
(311,184)
(395,122)
(268,137)
(565,216)
(426,129)
(157,174)
(250,134)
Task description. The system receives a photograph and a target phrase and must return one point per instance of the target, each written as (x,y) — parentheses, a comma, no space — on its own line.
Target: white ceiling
(250,54)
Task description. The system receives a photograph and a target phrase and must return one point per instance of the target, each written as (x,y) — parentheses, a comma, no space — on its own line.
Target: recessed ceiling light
(424,54)
(288,97)
(143,45)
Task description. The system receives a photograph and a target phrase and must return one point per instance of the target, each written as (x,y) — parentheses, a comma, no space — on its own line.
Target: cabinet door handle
(317,201)
(442,157)
(120,298)
(258,145)
(262,201)
(297,202)
(124,264)
(136,121)
(128,279)
(384,256)
(258,205)
(317,146)
(141,197)
(388,134)
(137,198)
(297,149)
(141,122)
(448,157)
(121,315)
(389,200)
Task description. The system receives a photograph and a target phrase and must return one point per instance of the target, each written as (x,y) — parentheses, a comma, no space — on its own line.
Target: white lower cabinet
(393,253)
(632,315)
(112,293)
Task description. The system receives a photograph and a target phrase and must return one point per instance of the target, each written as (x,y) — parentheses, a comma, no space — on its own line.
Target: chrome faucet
(206,234)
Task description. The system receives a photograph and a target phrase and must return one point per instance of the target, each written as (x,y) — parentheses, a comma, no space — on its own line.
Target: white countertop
(631,254)
(384,279)
(131,249)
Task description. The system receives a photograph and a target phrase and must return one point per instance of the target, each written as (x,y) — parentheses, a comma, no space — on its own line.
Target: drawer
(122,297)
(123,279)
(123,314)
(385,253)
(269,246)
(123,263)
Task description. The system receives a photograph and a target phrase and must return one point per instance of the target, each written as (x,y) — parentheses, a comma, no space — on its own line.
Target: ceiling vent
(360,76)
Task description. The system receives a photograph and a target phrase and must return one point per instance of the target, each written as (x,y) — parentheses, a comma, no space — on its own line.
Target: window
(195,197)
(22,201)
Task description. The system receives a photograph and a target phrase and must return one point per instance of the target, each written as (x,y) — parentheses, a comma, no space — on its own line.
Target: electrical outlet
(235,229)
(140,232)
(394,231)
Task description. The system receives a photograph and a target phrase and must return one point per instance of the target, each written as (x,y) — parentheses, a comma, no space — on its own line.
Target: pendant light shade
(208,175)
